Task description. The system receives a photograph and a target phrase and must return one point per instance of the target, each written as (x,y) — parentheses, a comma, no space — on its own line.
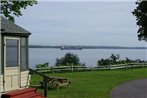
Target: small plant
(42,65)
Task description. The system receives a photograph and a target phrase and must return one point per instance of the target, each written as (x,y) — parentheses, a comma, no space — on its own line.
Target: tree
(68,60)
(128,60)
(114,58)
(103,62)
(141,16)
(11,8)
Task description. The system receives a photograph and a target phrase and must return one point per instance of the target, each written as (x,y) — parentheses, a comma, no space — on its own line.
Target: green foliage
(141,16)
(128,60)
(115,59)
(11,8)
(42,65)
(68,60)
(103,62)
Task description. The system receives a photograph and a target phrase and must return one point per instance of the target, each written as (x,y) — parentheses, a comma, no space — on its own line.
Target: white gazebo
(14,67)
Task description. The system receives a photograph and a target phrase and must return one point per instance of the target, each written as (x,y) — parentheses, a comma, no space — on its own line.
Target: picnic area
(89,84)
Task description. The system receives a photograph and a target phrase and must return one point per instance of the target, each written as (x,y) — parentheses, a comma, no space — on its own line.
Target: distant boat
(71,48)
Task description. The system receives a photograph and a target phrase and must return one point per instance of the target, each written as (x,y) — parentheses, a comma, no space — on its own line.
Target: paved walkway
(131,89)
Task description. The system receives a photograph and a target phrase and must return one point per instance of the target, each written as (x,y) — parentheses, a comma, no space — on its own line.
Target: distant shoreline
(85,47)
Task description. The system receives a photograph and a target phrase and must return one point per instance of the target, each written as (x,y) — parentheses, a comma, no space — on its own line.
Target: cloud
(84,23)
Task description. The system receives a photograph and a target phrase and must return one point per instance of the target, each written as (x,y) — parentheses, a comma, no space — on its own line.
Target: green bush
(115,59)
(42,65)
(68,60)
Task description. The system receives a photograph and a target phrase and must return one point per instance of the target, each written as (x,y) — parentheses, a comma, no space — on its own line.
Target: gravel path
(131,89)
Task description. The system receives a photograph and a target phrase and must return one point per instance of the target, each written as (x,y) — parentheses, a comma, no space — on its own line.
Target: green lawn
(92,84)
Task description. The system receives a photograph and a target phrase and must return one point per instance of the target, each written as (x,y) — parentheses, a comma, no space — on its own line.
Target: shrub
(115,59)
(42,65)
(68,60)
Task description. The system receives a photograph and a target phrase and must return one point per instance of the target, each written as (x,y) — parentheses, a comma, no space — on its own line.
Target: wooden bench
(56,82)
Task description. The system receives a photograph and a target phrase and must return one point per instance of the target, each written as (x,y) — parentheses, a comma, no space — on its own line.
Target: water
(87,56)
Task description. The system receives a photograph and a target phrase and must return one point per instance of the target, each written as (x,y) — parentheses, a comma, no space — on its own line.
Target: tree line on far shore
(71,59)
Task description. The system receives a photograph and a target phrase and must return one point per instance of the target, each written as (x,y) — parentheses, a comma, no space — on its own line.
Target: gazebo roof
(10,28)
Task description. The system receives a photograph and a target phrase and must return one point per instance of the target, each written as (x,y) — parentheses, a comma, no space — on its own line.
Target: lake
(87,56)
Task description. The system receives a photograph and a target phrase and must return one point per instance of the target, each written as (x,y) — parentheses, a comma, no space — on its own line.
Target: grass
(92,84)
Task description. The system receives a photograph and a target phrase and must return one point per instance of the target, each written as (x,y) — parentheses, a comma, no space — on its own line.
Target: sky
(81,22)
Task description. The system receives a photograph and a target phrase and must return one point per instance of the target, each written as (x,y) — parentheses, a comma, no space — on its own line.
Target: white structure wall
(0,63)
(25,79)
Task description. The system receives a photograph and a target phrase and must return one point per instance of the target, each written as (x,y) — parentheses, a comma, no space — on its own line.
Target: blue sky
(65,22)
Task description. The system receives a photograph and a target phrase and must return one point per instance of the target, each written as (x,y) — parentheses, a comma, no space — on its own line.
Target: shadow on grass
(49,87)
